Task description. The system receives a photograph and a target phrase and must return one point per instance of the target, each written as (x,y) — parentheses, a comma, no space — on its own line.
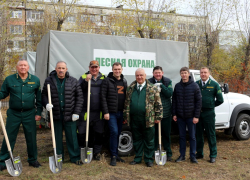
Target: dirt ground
(233,162)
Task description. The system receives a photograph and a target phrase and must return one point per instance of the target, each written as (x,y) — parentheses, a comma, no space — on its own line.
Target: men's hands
(175,118)
(195,120)
(89,76)
(37,117)
(157,121)
(106,116)
(75,117)
(49,107)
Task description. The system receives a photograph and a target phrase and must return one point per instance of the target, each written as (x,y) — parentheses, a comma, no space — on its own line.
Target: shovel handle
(51,118)
(159,130)
(5,133)
(88,107)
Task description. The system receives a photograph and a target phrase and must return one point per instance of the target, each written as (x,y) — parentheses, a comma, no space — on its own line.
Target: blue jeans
(182,123)
(115,128)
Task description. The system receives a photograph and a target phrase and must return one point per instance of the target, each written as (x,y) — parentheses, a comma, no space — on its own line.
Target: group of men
(142,105)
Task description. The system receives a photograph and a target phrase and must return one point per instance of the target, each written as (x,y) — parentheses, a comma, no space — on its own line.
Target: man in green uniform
(166,92)
(67,99)
(211,97)
(143,109)
(25,108)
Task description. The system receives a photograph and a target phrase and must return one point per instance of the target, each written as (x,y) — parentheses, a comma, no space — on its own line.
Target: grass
(233,162)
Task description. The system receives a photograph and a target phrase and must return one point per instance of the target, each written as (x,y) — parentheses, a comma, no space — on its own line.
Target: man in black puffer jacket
(186,107)
(113,93)
(96,123)
(67,100)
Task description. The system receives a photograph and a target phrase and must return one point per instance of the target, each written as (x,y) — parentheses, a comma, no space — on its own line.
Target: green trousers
(143,139)
(14,120)
(165,133)
(71,139)
(207,122)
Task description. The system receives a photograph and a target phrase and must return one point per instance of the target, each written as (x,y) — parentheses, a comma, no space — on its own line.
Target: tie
(203,83)
(139,88)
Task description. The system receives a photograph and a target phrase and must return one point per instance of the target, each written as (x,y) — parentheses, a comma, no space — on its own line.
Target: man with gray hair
(67,100)
(25,108)
(143,109)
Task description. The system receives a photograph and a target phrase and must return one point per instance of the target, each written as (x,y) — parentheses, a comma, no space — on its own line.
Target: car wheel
(125,147)
(242,127)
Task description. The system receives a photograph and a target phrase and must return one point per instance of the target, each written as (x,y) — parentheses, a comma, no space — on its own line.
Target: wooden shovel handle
(5,133)
(159,130)
(88,107)
(51,118)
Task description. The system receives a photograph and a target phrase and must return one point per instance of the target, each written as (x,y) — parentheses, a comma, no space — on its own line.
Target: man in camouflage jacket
(143,109)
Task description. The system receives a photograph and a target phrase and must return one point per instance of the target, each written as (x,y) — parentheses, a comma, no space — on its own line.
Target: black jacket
(95,92)
(109,94)
(186,100)
(72,94)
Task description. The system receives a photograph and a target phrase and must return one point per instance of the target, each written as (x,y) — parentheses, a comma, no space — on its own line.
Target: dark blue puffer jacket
(186,100)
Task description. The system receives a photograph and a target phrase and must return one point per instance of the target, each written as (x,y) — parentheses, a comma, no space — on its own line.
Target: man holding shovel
(67,101)
(96,124)
(166,92)
(142,109)
(113,92)
(25,108)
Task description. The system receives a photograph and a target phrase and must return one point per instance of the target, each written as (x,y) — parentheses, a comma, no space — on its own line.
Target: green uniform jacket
(23,95)
(210,92)
(154,110)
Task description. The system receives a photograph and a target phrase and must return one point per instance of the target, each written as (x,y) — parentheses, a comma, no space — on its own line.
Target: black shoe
(212,160)
(134,163)
(113,161)
(2,167)
(193,160)
(97,156)
(118,159)
(180,158)
(35,164)
(149,164)
(78,162)
(197,156)
(169,158)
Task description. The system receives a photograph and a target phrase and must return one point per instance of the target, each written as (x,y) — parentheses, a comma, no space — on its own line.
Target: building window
(192,38)
(181,26)
(16,14)
(169,25)
(98,18)
(35,14)
(202,28)
(170,37)
(84,17)
(15,44)
(92,18)
(71,19)
(192,50)
(181,38)
(16,29)
(191,27)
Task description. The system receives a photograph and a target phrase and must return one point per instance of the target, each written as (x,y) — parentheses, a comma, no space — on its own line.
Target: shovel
(87,153)
(14,165)
(55,162)
(160,156)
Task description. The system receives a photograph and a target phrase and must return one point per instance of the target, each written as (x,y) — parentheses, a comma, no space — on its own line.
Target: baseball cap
(93,63)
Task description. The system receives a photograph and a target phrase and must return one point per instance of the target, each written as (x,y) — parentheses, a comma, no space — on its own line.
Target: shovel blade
(160,159)
(86,158)
(52,163)
(14,167)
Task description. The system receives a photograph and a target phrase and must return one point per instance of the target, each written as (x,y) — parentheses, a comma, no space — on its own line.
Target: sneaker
(78,162)
(97,156)
(113,161)
(118,159)
(2,167)
(35,164)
